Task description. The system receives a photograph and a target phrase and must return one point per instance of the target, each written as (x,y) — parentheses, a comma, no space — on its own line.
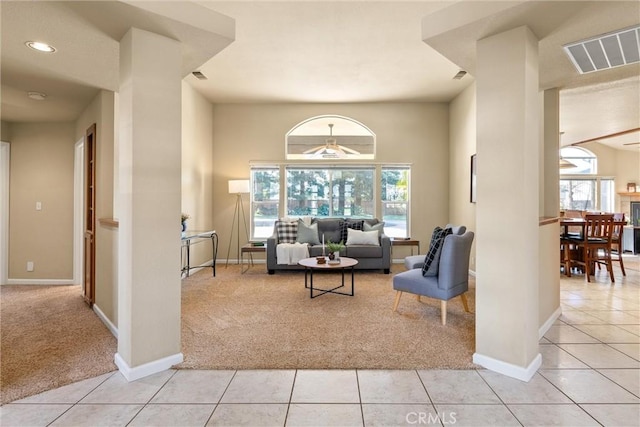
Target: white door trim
(5,149)
(78,213)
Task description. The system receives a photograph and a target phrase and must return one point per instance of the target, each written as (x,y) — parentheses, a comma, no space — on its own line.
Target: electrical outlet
(38,206)
(29,265)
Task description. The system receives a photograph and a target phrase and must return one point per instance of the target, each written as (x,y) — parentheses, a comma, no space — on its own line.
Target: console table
(406,242)
(190,238)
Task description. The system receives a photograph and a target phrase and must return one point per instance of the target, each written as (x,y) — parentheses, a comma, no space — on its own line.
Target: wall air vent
(460,75)
(606,51)
(199,75)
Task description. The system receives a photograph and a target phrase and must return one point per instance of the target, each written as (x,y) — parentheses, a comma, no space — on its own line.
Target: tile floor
(590,375)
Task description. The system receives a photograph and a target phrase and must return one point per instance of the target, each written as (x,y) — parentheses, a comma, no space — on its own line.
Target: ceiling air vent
(606,51)
(199,75)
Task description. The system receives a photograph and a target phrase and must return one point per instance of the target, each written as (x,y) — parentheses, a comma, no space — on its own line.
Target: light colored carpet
(50,338)
(257,321)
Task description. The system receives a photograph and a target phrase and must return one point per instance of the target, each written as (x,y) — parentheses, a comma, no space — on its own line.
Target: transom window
(584,161)
(330,137)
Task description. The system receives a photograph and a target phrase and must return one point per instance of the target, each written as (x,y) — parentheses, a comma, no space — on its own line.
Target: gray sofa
(370,257)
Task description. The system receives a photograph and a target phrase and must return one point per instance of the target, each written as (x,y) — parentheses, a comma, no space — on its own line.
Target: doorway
(78,212)
(89,277)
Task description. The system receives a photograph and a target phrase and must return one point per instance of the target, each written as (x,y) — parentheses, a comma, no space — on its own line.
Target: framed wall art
(472,197)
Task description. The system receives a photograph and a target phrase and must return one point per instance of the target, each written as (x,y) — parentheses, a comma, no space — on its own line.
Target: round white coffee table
(311,264)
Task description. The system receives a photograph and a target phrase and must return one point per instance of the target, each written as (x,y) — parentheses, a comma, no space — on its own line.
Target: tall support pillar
(508,151)
(149,204)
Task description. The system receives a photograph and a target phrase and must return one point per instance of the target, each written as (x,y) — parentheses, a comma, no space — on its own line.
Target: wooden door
(89,282)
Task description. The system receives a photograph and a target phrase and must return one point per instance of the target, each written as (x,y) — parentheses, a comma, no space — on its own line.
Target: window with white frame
(330,137)
(394,193)
(265,200)
(308,185)
(349,191)
(330,192)
(580,186)
(577,161)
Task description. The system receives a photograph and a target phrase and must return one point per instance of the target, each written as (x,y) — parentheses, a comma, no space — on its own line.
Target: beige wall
(549,278)
(197,169)
(101,112)
(623,165)
(41,171)
(416,133)
(462,130)
(5,131)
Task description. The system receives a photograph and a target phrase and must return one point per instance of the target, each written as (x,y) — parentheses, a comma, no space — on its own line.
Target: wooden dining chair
(616,239)
(595,244)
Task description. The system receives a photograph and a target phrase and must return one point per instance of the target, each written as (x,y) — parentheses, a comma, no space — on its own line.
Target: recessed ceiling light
(38,96)
(41,47)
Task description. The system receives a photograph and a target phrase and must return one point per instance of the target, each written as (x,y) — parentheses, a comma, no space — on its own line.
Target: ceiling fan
(331,149)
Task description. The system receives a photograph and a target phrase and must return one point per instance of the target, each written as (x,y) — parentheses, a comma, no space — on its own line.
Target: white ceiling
(313,51)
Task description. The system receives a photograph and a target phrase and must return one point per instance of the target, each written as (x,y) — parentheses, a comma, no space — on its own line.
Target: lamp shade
(238,186)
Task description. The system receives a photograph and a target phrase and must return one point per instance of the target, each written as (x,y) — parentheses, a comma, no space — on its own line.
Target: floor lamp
(238,187)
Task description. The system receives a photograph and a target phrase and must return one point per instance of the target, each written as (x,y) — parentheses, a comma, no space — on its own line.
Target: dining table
(565,223)
(574,228)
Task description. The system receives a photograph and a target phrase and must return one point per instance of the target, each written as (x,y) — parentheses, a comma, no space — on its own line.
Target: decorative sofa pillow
(286,231)
(357,237)
(347,224)
(307,233)
(329,228)
(379,227)
(432,260)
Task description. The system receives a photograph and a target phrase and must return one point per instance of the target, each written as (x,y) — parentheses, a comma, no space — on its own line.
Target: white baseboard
(206,264)
(132,374)
(549,322)
(44,282)
(504,368)
(112,328)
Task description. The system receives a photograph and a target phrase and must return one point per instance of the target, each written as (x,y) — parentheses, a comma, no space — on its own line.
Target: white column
(508,151)
(149,204)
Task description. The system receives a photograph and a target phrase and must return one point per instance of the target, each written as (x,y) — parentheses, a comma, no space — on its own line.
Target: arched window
(330,137)
(577,161)
(324,176)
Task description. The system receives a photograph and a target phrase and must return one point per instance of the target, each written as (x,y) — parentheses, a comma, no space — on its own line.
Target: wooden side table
(250,249)
(406,242)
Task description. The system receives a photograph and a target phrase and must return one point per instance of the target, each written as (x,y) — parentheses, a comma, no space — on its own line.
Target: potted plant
(334,248)
(183,221)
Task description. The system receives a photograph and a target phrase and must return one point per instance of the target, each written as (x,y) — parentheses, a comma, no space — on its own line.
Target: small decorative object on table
(334,251)
(321,260)
(183,221)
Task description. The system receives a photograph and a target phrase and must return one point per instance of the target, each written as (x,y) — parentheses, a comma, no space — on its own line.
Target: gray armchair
(417,261)
(452,279)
